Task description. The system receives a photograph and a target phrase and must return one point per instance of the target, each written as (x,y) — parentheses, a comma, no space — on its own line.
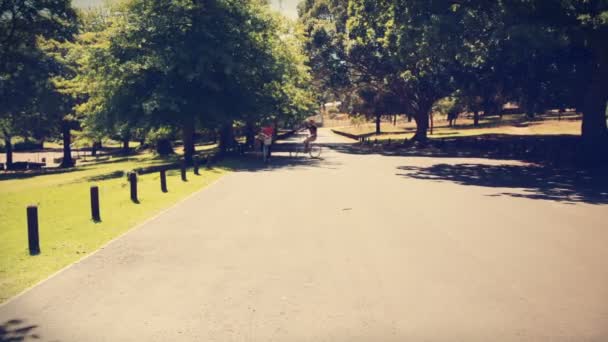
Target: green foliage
(323,23)
(26,90)
(541,54)
(180,64)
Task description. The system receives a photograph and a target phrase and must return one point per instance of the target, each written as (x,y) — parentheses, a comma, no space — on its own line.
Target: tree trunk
(432,122)
(95,148)
(226,138)
(409,118)
(249,134)
(188,139)
(275,131)
(9,151)
(67,141)
(422,125)
(476,118)
(125,145)
(378,119)
(594,128)
(163,147)
(395,120)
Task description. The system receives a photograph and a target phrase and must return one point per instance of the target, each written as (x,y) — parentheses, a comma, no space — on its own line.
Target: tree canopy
(540,54)
(188,65)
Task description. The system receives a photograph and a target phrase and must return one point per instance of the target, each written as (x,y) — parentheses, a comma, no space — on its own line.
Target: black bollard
(196,166)
(95,204)
(163,180)
(183,169)
(133,181)
(209,162)
(32,230)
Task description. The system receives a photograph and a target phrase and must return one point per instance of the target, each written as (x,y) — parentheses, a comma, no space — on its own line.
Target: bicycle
(314,151)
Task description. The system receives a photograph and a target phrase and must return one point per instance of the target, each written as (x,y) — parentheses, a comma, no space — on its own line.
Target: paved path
(350,248)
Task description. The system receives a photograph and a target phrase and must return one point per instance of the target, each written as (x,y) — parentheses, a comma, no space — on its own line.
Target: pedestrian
(266,135)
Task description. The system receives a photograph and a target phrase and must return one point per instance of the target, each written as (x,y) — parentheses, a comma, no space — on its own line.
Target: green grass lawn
(509,124)
(67,232)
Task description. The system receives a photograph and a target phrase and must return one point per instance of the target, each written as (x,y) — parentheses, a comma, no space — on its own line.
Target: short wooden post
(208,162)
(163,180)
(95,215)
(183,169)
(196,166)
(32,230)
(133,181)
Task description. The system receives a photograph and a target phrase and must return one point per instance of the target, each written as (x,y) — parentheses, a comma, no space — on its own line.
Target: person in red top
(268,131)
(266,135)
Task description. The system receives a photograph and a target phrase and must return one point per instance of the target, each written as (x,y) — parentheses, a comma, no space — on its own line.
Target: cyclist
(312,129)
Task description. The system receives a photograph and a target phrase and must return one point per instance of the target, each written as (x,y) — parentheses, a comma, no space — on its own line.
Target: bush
(161,138)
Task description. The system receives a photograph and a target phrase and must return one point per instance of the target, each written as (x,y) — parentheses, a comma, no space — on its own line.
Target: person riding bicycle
(312,129)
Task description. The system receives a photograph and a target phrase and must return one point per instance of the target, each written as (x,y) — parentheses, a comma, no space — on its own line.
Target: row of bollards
(32,210)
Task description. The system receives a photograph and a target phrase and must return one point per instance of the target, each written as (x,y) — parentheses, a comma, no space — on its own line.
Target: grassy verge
(509,124)
(66,231)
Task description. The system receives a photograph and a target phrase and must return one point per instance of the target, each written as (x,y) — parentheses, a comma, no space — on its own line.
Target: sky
(287,7)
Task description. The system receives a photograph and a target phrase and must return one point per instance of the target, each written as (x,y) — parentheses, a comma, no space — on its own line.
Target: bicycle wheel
(315,151)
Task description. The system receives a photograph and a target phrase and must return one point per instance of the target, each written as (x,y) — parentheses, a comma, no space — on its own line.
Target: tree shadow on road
(17,330)
(280,160)
(537,181)
(561,150)
(534,179)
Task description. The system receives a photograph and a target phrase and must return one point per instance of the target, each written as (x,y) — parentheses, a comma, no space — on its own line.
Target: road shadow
(279,160)
(555,150)
(17,330)
(537,181)
(549,172)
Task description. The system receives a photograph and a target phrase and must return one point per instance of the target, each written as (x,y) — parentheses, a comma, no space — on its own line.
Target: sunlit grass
(67,232)
(509,124)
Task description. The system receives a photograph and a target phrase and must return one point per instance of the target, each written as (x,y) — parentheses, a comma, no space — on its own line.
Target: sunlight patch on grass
(67,232)
(510,125)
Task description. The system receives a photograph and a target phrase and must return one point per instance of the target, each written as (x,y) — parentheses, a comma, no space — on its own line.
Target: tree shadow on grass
(17,330)
(538,182)
(107,176)
(34,173)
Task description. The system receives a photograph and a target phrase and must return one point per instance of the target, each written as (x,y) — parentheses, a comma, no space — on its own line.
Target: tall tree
(25,69)
(182,64)
(415,48)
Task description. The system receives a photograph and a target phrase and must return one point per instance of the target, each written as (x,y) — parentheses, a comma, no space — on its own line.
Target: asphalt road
(349,248)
